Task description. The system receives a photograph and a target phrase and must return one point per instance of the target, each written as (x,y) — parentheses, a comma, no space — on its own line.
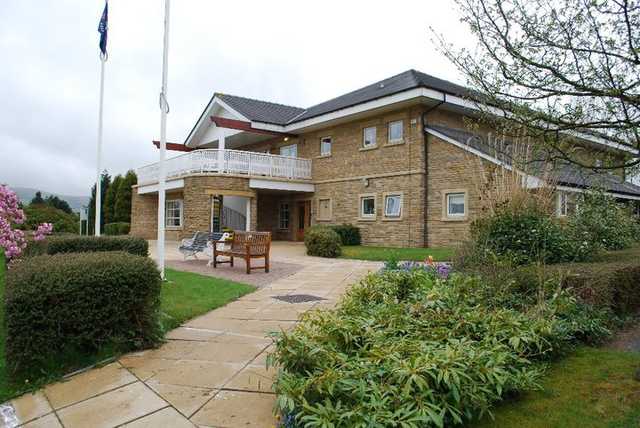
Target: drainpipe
(426,165)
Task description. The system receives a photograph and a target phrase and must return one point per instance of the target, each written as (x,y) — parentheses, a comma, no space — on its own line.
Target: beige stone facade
(424,174)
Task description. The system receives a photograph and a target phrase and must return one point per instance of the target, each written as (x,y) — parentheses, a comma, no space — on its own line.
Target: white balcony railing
(228,162)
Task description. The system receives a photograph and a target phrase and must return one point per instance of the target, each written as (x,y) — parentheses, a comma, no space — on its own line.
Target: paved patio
(210,373)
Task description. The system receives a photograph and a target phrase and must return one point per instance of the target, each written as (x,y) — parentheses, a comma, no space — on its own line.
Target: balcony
(224,161)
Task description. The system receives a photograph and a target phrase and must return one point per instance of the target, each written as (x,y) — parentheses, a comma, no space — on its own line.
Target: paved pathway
(210,373)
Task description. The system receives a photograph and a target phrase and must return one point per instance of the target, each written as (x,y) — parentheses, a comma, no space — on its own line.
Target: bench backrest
(260,242)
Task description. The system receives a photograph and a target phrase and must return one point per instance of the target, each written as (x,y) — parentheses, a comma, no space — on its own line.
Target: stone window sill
(366,219)
(323,156)
(392,219)
(173,228)
(366,149)
(454,219)
(394,143)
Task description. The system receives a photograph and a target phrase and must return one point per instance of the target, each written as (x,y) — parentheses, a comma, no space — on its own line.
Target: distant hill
(26,194)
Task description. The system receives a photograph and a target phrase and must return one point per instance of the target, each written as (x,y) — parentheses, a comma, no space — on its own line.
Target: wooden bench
(247,245)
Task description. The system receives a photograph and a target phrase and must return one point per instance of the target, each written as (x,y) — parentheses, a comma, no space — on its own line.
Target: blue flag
(102,29)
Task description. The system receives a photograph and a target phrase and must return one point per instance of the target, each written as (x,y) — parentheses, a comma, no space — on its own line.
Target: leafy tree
(110,199)
(58,203)
(37,199)
(554,69)
(123,198)
(104,187)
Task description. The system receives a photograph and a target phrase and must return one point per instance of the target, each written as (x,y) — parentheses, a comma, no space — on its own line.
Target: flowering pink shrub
(43,230)
(13,240)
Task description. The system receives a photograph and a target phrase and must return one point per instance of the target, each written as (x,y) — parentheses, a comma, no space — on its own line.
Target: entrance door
(304,219)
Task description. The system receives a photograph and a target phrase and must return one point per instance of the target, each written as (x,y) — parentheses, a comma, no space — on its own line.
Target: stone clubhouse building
(394,158)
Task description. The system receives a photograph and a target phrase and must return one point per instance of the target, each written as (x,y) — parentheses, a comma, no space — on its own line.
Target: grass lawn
(594,387)
(184,295)
(382,254)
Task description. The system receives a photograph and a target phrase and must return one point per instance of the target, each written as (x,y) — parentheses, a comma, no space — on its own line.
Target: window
(283,218)
(395,131)
(393,205)
(566,204)
(325,146)
(291,150)
(369,137)
(456,204)
(368,206)
(324,209)
(173,213)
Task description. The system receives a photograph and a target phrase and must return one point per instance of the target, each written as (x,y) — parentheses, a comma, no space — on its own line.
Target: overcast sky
(292,52)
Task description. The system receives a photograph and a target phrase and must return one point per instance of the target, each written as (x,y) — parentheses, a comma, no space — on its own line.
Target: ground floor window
(173,213)
(566,204)
(456,206)
(393,205)
(367,206)
(283,217)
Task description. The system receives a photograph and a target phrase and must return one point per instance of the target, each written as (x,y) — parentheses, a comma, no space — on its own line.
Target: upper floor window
(283,217)
(369,137)
(393,205)
(325,146)
(291,150)
(395,131)
(173,213)
(456,206)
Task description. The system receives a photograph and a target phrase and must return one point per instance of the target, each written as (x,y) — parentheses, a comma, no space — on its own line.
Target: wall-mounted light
(365,182)
(286,139)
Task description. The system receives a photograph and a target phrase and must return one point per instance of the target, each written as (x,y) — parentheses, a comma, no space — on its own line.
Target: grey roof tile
(261,111)
(563,173)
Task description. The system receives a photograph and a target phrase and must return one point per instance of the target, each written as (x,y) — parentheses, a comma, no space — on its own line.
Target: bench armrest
(186,243)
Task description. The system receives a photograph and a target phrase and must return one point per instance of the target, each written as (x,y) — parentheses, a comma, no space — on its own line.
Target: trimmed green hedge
(322,241)
(349,234)
(119,228)
(86,244)
(78,303)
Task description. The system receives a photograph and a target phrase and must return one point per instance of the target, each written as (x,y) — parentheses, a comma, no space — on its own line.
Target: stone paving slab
(211,372)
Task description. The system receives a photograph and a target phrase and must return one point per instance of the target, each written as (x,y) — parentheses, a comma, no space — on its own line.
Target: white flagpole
(164,108)
(103,60)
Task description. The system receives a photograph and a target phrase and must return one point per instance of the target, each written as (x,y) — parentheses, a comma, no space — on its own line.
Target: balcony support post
(221,148)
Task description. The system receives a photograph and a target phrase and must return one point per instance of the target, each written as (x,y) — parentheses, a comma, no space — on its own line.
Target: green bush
(78,303)
(41,213)
(407,349)
(120,228)
(523,236)
(84,244)
(601,223)
(322,241)
(349,234)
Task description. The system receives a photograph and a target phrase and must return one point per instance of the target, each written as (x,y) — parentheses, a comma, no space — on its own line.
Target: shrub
(322,241)
(84,244)
(349,234)
(601,223)
(42,213)
(77,303)
(404,348)
(522,236)
(119,228)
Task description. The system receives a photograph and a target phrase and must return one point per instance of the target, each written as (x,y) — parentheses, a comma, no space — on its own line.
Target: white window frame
(166,213)
(395,140)
(330,214)
(323,141)
(281,219)
(288,147)
(362,198)
(448,204)
(386,205)
(374,142)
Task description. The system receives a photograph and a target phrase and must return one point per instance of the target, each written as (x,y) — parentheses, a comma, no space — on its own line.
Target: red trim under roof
(241,125)
(173,146)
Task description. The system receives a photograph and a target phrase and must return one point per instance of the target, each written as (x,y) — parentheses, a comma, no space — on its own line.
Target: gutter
(426,166)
